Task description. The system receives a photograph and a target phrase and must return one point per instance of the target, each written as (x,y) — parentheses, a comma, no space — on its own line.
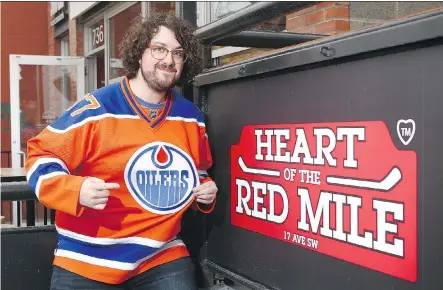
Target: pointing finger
(105,186)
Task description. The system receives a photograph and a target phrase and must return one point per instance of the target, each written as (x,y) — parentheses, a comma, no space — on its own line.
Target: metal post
(52,215)
(187,10)
(265,39)
(30,213)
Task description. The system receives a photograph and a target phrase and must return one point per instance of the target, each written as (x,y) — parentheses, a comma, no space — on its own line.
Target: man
(122,165)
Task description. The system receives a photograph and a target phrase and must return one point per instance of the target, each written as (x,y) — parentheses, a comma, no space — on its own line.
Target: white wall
(78,8)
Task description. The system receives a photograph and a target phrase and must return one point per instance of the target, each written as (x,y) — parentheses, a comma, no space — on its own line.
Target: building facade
(92,31)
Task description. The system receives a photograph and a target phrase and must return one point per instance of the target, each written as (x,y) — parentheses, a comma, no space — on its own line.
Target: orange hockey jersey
(157,163)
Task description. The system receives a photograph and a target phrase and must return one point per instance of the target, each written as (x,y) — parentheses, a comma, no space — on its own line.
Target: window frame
(203,18)
(105,15)
(108,15)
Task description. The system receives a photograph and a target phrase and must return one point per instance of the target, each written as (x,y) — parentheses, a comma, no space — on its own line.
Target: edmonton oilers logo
(161,176)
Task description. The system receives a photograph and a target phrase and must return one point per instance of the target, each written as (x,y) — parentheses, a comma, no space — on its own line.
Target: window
(220,9)
(212,11)
(162,6)
(118,24)
(64,46)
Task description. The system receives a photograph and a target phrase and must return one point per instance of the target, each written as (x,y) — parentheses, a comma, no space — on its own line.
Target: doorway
(42,88)
(95,70)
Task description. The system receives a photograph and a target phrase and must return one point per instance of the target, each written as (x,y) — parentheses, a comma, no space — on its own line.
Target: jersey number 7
(91,105)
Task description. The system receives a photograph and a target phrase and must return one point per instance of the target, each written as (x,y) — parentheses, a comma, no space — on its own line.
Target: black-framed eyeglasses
(160,52)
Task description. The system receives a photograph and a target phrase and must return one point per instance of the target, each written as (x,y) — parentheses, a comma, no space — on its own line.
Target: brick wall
(76,38)
(76,48)
(53,44)
(50,101)
(55,74)
(327,18)
(332,18)
(24,31)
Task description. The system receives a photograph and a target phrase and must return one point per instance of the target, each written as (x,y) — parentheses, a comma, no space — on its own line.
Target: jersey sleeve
(203,162)
(54,155)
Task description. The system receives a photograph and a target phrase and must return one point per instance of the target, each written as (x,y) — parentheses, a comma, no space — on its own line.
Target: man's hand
(206,192)
(94,192)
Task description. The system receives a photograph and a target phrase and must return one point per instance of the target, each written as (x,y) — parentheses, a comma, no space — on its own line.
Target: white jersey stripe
(41,161)
(115,264)
(94,118)
(112,241)
(201,124)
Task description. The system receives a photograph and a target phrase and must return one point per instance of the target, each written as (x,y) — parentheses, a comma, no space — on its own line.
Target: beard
(154,82)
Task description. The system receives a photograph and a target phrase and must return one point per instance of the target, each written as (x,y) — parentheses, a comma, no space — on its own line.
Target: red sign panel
(341,189)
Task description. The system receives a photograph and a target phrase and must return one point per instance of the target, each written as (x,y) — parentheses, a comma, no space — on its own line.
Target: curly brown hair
(139,35)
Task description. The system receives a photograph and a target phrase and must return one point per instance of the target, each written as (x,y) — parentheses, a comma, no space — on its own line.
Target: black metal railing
(21,191)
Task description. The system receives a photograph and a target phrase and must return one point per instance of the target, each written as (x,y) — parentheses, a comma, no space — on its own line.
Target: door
(95,70)
(41,89)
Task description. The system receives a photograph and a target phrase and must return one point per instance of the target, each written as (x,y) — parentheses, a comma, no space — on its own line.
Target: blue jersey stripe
(44,169)
(184,108)
(126,253)
(111,101)
(133,102)
(163,114)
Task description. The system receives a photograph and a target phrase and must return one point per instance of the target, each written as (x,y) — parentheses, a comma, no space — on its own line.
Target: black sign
(58,12)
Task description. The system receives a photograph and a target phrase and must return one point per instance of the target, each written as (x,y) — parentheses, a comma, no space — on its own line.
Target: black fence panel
(27,255)
(382,197)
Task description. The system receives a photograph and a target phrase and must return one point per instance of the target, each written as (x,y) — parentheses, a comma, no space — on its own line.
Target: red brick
(300,12)
(324,5)
(331,26)
(75,39)
(306,29)
(296,22)
(342,25)
(315,17)
(306,19)
(337,12)
(325,27)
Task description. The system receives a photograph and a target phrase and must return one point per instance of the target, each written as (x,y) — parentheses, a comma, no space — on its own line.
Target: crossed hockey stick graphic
(386,184)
